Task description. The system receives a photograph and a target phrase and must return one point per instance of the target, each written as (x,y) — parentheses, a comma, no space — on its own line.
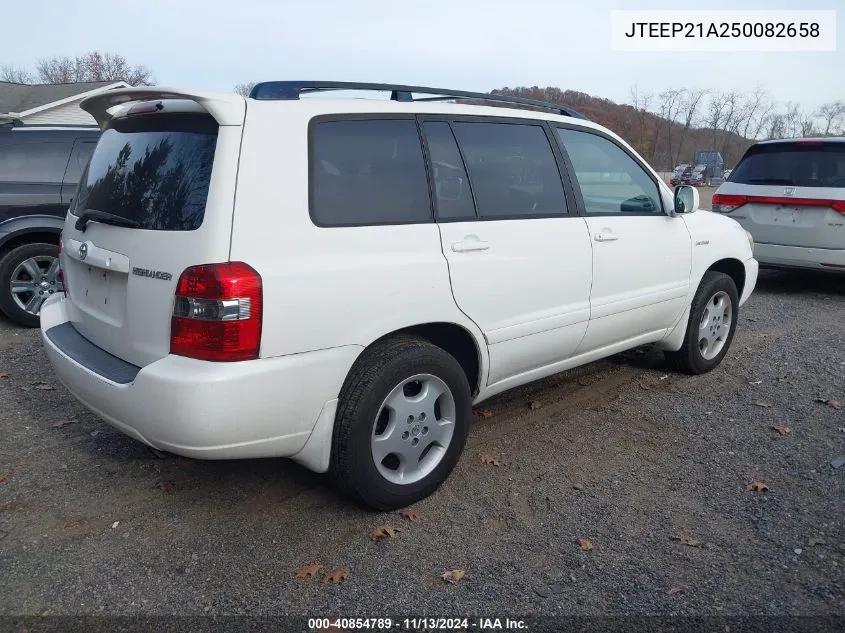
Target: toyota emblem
(83,251)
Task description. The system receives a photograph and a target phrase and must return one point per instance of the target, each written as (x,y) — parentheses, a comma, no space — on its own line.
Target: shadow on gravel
(800,282)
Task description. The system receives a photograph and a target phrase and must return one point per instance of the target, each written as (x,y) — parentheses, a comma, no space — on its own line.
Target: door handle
(606,237)
(470,243)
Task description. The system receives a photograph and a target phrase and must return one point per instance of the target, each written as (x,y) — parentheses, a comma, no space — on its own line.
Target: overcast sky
(459,44)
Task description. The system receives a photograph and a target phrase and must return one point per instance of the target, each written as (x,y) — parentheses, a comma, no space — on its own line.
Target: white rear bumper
(207,410)
(827,259)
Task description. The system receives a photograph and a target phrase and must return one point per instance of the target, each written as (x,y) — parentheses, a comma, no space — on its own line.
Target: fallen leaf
(453,575)
(534,405)
(115,524)
(385,531)
(644,384)
(2,478)
(166,486)
(485,413)
(4,374)
(411,515)
(489,460)
(842,429)
(756,382)
(757,486)
(782,430)
(584,544)
(335,575)
(308,570)
(798,550)
(687,541)
(62,423)
(765,405)
(833,404)
(815,540)
(674,591)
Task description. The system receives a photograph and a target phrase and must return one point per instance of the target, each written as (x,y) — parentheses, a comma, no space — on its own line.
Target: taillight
(217,313)
(725,203)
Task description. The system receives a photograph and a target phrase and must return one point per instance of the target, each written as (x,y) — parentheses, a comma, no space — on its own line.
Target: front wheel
(711,326)
(29,275)
(401,424)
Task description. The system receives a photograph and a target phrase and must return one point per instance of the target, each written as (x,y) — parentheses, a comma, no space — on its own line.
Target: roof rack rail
(291,90)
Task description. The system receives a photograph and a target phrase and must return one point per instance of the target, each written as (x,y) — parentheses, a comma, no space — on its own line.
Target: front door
(641,256)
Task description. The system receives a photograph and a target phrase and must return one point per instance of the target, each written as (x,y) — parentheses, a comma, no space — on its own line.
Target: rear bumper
(823,259)
(205,410)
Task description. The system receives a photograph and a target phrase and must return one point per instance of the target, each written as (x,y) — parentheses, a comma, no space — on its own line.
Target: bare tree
(688,113)
(671,102)
(93,66)
(716,114)
(776,126)
(15,75)
(245,88)
(832,114)
(792,120)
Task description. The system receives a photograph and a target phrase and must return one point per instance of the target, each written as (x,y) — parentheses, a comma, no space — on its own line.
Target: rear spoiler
(226,108)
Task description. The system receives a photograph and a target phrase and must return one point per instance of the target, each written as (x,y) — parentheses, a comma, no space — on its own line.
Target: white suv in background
(338,281)
(790,195)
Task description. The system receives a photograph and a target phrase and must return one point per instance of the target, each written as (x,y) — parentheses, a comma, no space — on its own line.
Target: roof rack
(291,90)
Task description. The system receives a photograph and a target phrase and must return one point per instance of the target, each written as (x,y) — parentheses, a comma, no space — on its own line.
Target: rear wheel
(29,274)
(711,326)
(401,424)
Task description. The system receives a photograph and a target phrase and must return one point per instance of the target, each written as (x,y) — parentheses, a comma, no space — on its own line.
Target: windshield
(154,171)
(792,164)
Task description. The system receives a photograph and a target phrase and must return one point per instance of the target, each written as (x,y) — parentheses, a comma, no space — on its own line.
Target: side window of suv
(451,186)
(79,157)
(39,162)
(611,181)
(368,172)
(512,169)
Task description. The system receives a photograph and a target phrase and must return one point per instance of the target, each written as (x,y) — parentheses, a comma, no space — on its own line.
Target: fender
(16,227)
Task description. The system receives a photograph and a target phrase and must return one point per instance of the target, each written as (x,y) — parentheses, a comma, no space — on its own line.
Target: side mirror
(686,199)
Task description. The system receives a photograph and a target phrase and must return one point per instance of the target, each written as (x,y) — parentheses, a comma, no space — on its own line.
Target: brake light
(217,313)
(725,203)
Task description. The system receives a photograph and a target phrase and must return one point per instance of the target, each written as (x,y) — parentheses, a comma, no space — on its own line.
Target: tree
(93,66)
(690,101)
(832,114)
(15,75)
(245,88)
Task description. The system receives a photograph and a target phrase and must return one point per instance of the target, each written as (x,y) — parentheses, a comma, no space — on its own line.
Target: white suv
(790,195)
(338,281)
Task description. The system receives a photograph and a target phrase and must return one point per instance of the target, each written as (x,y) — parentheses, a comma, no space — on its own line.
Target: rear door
(167,177)
(521,265)
(789,194)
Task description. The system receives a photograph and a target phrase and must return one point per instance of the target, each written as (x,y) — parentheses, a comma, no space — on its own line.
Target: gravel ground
(650,467)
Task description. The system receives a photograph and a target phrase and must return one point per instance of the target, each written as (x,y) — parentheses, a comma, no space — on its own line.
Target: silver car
(790,195)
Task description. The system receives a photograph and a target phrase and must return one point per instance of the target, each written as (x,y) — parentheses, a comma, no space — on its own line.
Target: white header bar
(723,31)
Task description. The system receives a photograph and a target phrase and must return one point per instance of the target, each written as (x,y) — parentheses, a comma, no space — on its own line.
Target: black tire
(8,264)
(689,358)
(375,373)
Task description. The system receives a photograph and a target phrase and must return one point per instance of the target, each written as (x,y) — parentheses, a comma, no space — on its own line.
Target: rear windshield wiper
(104,217)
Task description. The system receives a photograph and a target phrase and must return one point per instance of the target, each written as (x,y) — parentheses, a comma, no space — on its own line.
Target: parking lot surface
(649,469)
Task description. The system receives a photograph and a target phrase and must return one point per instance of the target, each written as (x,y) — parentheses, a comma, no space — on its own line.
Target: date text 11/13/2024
(418,624)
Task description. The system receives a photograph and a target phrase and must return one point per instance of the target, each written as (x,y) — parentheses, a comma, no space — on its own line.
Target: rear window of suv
(154,170)
(793,164)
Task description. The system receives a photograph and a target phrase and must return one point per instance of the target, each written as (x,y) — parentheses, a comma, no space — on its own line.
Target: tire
(367,414)
(693,358)
(13,268)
